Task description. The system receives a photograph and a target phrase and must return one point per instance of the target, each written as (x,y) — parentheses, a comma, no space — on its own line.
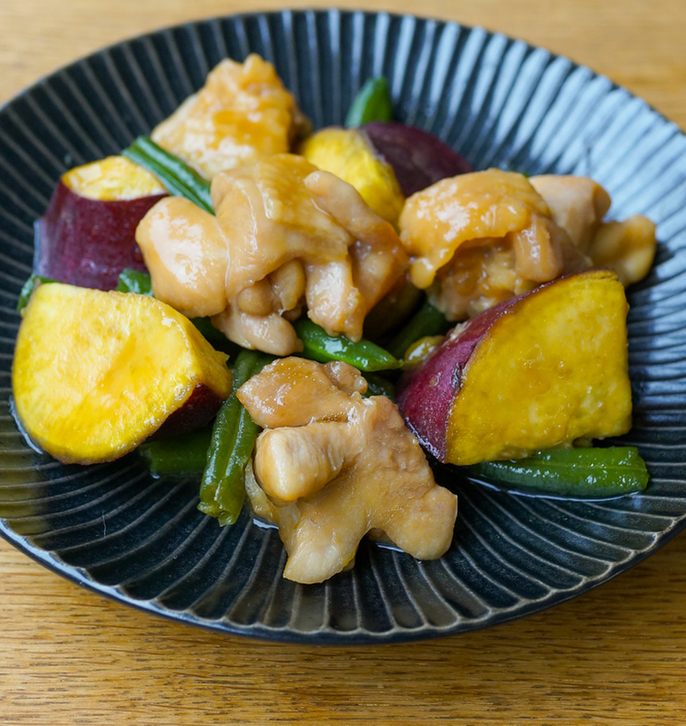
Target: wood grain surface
(616,655)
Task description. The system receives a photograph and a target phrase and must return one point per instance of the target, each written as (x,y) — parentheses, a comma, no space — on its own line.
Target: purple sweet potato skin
(199,409)
(418,158)
(425,394)
(88,242)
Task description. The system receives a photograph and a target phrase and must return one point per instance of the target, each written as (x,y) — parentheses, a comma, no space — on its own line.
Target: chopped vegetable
(222,488)
(348,154)
(320,346)
(178,455)
(428,320)
(583,472)
(418,158)
(87,241)
(114,178)
(378,386)
(27,290)
(178,178)
(372,103)
(96,373)
(536,372)
(134,281)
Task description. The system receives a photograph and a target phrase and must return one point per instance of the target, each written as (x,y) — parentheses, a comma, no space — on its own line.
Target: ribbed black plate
(499,102)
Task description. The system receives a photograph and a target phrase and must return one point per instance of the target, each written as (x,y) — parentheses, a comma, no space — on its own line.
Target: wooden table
(615,655)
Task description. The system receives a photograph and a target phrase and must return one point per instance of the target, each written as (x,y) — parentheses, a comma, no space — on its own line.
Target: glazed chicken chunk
(332,466)
(242,113)
(286,237)
(578,205)
(478,239)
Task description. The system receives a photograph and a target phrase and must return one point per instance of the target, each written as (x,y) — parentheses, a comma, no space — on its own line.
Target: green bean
(27,290)
(131,280)
(583,472)
(372,103)
(222,488)
(178,178)
(179,454)
(378,386)
(428,320)
(320,346)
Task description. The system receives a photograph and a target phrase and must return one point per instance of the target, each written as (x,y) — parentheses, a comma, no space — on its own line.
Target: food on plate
(536,372)
(87,235)
(286,237)
(347,154)
(481,238)
(358,254)
(330,466)
(179,178)
(230,449)
(384,161)
(628,247)
(578,205)
(372,102)
(418,158)
(96,373)
(582,472)
(242,113)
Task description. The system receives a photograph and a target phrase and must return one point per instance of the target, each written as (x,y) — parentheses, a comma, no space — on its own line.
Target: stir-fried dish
(301,318)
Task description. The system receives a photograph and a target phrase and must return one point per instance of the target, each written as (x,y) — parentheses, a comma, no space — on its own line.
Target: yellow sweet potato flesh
(346,153)
(95,373)
(552,369)
(114,178)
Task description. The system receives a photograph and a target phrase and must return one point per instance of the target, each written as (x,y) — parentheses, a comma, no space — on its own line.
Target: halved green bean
(178,178)
(372,103)
(27,290)
(428,320)
(177,455)
(222,488)
(131,280)
(320,346)
(583,472)
(378,386)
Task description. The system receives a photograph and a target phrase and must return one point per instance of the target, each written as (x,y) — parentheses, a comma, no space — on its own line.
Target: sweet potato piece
(348,154)
(418,158)
(87,235)
(535,372)
(95,373)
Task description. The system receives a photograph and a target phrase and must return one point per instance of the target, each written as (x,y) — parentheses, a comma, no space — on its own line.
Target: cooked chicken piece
(628,247)
(242,113)
(478,239)
(187,255)
(578,205)
(486,204)
(481,238)
(332,466)
(285,235)
(297,392)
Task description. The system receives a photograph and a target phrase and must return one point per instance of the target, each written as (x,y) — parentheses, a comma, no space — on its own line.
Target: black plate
(499,102)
